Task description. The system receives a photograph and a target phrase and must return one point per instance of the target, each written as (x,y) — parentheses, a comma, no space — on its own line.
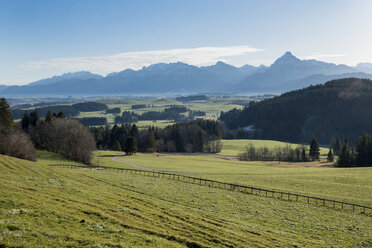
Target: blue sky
(42,38)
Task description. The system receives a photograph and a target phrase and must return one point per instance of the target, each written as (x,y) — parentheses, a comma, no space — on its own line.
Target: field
(48,206)
(212,107)
(235,147)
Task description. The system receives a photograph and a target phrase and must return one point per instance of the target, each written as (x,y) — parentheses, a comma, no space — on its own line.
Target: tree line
(286,153)
(57,134)
(13,141)
(113,111)
(53,133)
(92,121)
(360,156)
(172,113)
(195,136)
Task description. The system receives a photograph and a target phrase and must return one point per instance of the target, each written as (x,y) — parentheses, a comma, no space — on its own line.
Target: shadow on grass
(107,156)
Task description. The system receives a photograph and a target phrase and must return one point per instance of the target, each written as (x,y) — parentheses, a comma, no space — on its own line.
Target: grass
(345,184)
(43,206)
(213,107)
(235,147)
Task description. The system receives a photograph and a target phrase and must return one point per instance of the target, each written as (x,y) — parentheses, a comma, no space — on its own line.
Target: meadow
(212,107)
(237,146)
(48,206)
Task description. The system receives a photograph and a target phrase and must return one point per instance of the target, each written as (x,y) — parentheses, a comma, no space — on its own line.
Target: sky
(42,38)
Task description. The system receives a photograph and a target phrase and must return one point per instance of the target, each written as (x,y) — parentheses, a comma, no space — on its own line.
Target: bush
(17,144)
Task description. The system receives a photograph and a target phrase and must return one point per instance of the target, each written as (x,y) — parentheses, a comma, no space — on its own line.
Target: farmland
(50,206)
(212,108)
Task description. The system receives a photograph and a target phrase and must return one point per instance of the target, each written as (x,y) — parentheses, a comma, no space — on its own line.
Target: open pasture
(46,206)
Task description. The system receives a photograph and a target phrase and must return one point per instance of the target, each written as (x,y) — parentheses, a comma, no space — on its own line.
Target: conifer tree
(314,150)
(363,150)
(303,155)
(6,119)
(134,130)
(61,115)
(34,118)
(337,146)
(130,146)
(177,138)
(344,155)
(117,146)
(330,157)
(49,116)
(25,122)
(152,143)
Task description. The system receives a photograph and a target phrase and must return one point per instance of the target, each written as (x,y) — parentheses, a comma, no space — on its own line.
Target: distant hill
(286,73)
(338,108)
(78,76)
(3,87)
(364,67)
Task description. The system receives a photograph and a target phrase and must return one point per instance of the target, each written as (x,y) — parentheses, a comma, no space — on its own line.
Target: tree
(303,155)
(344,157)
(6,119)
(117,146)
(152,143)
(25,122)
(67,137)
(61,115)
(364,150)
(337,145)
(330,157)
(17,144)
(130,146)
(134,130)
(49,116)
(314,150)
(177,138)
(34,118)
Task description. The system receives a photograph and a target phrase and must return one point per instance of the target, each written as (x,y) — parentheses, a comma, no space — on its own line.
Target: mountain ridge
(286,73)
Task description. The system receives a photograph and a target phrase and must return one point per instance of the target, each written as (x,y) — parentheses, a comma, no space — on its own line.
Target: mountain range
(286,73)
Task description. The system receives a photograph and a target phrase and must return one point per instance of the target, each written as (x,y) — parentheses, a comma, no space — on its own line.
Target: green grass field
(44,206)
(346,184)
(236,147)
(212,107)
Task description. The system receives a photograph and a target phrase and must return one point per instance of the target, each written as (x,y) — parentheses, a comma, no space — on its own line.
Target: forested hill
(337,108)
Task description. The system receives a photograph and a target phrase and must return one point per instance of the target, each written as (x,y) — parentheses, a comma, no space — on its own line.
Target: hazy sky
(39,39)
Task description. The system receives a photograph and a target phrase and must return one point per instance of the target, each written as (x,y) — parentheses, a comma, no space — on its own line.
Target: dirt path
(116,159)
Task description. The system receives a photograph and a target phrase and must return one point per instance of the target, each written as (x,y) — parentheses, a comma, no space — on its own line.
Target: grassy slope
(44,206)
(347,184)
(235,147)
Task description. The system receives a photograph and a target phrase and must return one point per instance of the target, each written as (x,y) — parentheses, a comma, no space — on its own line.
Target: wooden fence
(235,187)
